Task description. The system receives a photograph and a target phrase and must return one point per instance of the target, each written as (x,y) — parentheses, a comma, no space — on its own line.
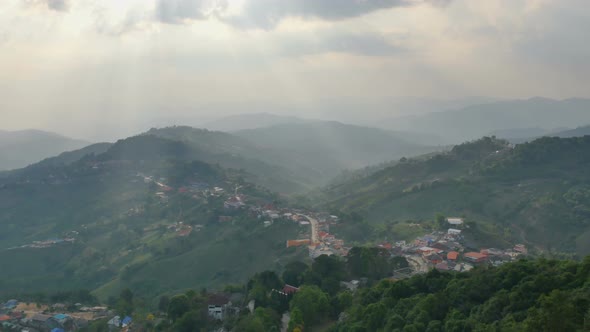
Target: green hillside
(536,192)
(112,220)
(294,157)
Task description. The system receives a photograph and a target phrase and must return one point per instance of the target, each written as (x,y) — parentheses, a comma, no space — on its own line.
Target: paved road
(314,229)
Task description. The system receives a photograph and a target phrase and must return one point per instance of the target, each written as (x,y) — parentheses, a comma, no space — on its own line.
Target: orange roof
(4,318)
(453,255)
(294,243)
(475,255)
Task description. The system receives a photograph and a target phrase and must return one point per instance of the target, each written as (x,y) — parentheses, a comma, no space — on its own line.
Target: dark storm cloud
(268,13)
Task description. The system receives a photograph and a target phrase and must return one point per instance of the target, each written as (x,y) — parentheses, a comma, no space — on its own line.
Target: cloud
(180,11)
(366,44)
(57,5)
(266,14)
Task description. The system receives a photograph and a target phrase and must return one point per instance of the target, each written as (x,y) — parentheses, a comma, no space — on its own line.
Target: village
(443,250)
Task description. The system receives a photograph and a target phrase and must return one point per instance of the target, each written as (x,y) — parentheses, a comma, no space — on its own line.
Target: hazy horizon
(102,70)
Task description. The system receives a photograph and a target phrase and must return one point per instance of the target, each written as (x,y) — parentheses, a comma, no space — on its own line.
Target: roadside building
(475,257)
(455,221)
(217,305)
(454,231)
(452,255)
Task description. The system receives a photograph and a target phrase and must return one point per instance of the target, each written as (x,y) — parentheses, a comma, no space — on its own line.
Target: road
(314,229)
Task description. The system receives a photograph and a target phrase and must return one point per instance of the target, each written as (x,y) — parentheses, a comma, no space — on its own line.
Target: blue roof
(60,316)
(126,320)
(58,330)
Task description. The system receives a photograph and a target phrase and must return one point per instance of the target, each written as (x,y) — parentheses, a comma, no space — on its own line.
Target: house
(11,304)
(434,259)
(297,243)
(452,255)
(126,321)
(42,322)
(475,257)
(442,266)
(4,318)
(217,305)
(441,245)
(267,223)
(350,285)
(454,231)
(426,251)
(234,202)
(455,221)
(114,322)
(288,289)
(520,248)
(61,319)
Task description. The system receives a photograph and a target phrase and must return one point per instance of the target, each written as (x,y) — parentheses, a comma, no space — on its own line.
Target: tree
(312,302)
(163,303)
(179,305)
(293,274)
(296,322)
(189,322)
(441,221)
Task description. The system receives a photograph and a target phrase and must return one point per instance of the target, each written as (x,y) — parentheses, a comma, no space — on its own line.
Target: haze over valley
(294,165)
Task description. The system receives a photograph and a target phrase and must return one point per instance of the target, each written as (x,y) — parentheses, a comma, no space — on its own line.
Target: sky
(96,69)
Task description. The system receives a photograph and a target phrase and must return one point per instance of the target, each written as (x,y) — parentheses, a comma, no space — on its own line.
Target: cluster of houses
(48,243)
(445,251)
(22,317)
(181,229)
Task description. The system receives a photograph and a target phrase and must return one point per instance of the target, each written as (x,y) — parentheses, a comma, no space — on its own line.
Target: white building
(453,231)
(455,221)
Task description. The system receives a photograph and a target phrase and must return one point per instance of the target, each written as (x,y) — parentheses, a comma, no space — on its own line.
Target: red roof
(288,289)
(453,255)
(4,318)
(386,245)
(323,234)
(475,255)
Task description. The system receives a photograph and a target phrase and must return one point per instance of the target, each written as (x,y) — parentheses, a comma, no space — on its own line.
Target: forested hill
(295,157)
(537,192)
(523,296)
(126,217)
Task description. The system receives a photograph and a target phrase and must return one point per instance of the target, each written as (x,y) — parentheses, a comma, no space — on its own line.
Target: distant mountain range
(286,158)
(474,121)
(251,121)
(517,136)
(24,147)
